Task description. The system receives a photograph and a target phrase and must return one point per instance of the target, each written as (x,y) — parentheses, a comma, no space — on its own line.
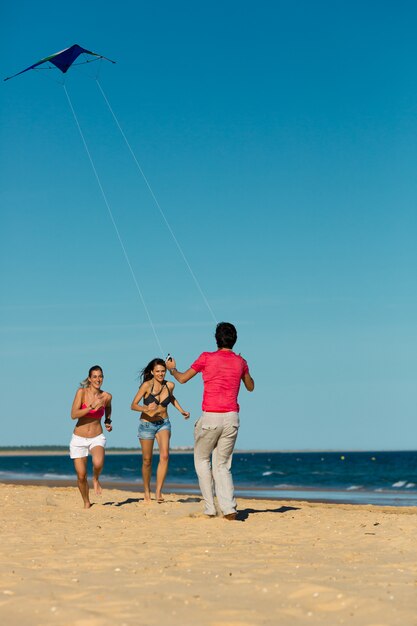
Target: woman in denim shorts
(152,400)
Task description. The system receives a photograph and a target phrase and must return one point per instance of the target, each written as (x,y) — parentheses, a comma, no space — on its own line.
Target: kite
(64,59)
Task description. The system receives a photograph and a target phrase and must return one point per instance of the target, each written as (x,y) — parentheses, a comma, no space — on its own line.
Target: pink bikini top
(95,413)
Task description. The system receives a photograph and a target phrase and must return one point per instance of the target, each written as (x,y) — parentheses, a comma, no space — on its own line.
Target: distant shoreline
(63,451)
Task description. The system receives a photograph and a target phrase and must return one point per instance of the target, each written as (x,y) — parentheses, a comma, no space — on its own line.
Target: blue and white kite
(64,59)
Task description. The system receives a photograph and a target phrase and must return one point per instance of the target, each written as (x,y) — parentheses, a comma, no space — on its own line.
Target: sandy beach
(122,562)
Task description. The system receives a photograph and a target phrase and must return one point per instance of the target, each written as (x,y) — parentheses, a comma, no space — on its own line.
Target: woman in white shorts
(89,406)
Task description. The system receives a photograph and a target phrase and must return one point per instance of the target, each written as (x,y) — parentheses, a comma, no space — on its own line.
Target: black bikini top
(154,397)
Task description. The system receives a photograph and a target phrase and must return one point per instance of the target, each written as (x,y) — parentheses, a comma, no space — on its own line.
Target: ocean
(382,478)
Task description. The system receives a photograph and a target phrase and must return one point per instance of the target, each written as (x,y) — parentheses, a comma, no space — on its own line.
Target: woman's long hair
(146,373)
(86,383)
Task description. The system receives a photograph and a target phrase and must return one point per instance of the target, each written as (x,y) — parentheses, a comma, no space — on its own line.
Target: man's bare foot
(97,487)
(160,498)
(87,505)
(147,498)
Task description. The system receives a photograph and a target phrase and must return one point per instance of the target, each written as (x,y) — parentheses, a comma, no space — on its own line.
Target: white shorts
(79,446)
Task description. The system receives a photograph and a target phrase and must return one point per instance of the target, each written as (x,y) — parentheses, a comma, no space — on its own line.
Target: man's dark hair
(226,335)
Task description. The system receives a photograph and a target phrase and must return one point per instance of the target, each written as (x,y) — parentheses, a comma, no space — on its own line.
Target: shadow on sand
(136,500)
(243,514)
(127,501)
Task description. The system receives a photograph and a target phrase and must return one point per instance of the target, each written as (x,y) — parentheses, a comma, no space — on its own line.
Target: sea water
(388,478)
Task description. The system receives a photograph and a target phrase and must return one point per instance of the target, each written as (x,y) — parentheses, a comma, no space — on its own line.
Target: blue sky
(280,139)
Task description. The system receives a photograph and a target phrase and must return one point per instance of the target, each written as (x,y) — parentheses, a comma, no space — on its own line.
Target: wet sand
(124,562)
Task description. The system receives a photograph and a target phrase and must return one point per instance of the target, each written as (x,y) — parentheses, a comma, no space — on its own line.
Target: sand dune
(122,562)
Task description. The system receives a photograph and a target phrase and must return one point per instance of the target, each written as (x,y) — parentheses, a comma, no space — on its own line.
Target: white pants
(215,436)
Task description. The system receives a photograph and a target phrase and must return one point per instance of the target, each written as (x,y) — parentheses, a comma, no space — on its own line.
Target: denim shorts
(148,430)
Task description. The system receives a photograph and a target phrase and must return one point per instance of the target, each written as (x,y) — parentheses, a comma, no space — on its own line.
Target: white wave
(24,476)
(354,487)
(21,476)
(410,485)
(270,473)
(399,483)
(54,476)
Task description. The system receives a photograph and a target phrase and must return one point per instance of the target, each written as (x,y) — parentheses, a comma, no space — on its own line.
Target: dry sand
(122,562)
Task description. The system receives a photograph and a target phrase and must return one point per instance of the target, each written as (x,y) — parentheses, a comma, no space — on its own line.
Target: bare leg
(147,453)
(81,469)
(162,438)
(97,455)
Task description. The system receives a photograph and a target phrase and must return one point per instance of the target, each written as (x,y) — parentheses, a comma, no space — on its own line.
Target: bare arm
(135,406)
(150,409)
(181,377)
(107,418)
(177,405)
(248,381)
(76,410)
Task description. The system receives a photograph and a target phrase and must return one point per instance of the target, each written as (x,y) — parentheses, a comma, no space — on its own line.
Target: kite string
(114,222)
(158,206)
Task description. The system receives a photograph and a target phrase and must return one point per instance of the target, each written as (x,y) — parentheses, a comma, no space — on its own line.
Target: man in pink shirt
(216,431)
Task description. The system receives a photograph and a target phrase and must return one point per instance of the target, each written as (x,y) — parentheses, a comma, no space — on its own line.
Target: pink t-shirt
(222,372)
